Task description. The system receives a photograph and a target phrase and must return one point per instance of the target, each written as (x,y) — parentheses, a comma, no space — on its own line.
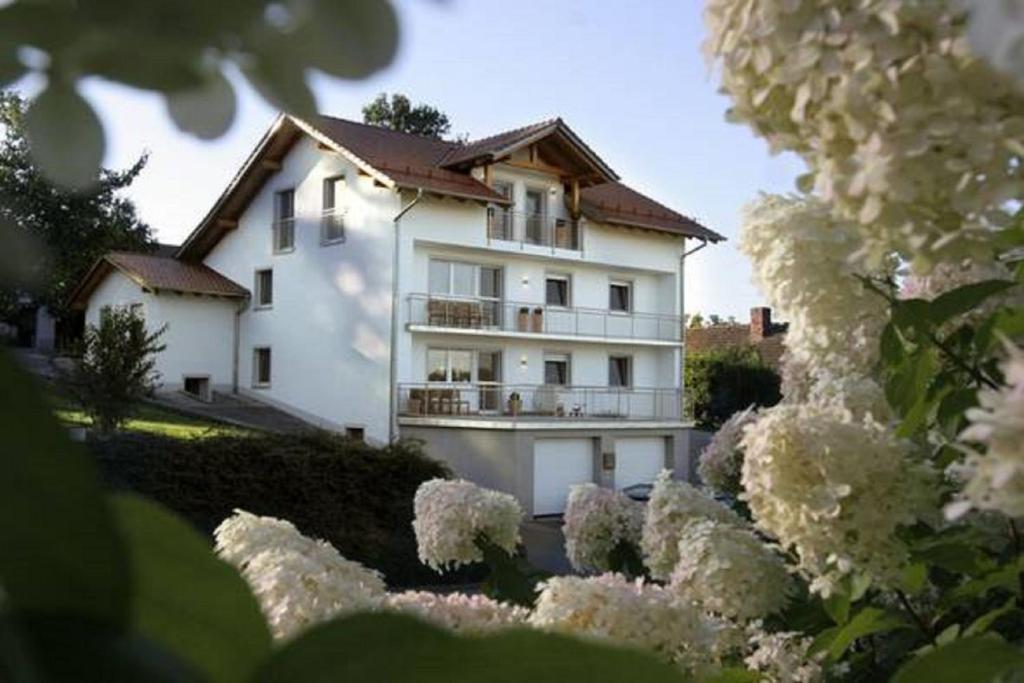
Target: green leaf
(912,317)
(977,659)
(59,548)
(964,299)
(65,136)
(908,384)
(985,621)
(65,647)
(1005,577)
(187,599)
(350,39)
(207,111)
(914,578)
(868,621)
(732,675)
(837,606)
(283,85)
(383,647)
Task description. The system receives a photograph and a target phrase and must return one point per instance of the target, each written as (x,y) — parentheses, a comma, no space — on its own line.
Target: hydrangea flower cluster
(904,128)
(297,581)
(596,521)
(729,571)
(672,506)
(835,490)
(722,459)
(800,259)
(451,515)
(995,478)
(610,607)
(782,657)
(463,614)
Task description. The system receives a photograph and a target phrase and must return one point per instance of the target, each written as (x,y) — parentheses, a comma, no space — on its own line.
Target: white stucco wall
(199,331)
(329,326)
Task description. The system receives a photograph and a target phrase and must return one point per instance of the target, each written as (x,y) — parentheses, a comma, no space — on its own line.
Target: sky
(628,77)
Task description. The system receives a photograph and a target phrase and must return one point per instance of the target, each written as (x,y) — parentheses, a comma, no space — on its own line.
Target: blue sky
(629,78)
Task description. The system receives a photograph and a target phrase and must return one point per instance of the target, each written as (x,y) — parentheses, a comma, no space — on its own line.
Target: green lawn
(151,420)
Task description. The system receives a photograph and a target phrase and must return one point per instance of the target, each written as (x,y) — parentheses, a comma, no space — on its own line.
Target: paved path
(545,544)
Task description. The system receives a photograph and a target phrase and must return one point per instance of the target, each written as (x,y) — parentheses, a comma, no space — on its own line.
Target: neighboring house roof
(157,274)
(621,205)
(403,160)
(770,344)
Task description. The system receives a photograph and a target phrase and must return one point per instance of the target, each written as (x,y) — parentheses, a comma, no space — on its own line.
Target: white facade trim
(543,336)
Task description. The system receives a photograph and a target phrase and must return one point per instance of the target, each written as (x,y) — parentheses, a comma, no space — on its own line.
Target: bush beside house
(357,497)
(722,382)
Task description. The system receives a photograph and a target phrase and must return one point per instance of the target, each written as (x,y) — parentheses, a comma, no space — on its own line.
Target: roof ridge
(538,124)
(429,138)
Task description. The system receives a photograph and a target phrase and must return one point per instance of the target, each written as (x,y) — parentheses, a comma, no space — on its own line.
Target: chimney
(760,323)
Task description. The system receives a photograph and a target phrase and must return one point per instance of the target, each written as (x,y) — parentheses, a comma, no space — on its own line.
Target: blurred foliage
(182,50)
(57,234)
(722,382)
(399,114)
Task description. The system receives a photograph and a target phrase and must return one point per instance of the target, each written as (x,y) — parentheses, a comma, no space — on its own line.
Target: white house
(506,300)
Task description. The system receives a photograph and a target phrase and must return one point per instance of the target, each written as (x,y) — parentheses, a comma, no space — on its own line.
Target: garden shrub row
(356,496)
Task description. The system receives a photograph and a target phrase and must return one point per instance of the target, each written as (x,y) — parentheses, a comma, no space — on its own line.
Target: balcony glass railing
(538,401)
(514,316)
(533,228)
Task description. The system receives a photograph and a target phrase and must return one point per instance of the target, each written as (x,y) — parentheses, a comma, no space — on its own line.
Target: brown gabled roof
(713,337)
(157,274)
(482,148)
(619,204)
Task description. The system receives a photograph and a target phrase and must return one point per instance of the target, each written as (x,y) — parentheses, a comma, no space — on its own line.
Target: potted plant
(538,319)
(515,403)
(524,319)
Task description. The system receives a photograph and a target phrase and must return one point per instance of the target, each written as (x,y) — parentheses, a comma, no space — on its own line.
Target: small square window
(620,371)
(557,291)
(356,433)
(620,297)
(284,221)
(264,288)
(261,367)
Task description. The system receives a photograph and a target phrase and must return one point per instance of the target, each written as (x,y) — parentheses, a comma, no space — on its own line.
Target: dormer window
(332,225)
(284,221)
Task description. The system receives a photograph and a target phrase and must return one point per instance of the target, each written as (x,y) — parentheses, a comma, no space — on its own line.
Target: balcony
(491,317)
(537,229)
(539,402)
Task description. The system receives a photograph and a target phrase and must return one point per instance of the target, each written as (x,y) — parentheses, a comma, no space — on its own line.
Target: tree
(720,383)
(116,368)
(74,228)
(399,114)
(696,321)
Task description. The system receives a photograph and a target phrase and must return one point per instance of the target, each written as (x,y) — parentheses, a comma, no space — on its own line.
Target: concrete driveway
(545,544)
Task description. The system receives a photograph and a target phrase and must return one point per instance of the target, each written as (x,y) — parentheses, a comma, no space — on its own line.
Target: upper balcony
(492,317)
(538,229)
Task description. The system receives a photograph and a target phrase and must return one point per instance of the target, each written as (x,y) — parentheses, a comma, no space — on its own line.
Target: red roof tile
(620,204)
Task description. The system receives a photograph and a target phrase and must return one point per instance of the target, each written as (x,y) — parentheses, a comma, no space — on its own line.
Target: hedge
(722,382)
(357,497)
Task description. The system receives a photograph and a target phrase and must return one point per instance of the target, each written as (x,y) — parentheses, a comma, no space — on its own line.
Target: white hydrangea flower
(722,458)
(450,515)
(463,614)
(783,658)
(904,128)
(673,505)
(297,581)
(612,608)
(834,490)
(800,257)
(596,521)
(729,571)
(995,479)
(996,31)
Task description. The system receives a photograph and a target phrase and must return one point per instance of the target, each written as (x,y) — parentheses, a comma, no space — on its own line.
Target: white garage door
(557,465)
(638,461)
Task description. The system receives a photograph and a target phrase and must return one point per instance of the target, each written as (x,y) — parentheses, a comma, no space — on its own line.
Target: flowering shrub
(597,521)
(465,614)
(673,505)
(785,657)
(729,571)
(452,516)
(298,581)
(834,490)
(634,613)
(722,459)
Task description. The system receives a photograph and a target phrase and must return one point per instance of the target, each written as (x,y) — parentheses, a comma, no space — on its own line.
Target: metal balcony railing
(494,400)
(516,316)
(533,228)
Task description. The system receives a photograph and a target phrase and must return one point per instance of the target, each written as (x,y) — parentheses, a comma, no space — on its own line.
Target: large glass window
(284,220)
(557,290)
(620,371)
(456,278)
(556,369)
(449,365)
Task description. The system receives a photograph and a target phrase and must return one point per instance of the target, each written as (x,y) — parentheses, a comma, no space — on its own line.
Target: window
(557,290)
(556,369)
(261,367)
(284,221)
(264,288)
(197,387)
(449,365)
(332,225)
(534,216)
(454,278)
(620,371)
(500,223)
(356,433)
(620,297)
